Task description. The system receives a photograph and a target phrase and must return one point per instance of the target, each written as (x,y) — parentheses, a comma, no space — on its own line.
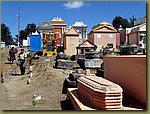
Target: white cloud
(74,4)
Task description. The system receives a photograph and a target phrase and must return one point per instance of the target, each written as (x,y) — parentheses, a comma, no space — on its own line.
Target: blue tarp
(35,43)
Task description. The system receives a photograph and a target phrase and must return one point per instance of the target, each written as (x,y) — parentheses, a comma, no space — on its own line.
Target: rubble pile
(71,81)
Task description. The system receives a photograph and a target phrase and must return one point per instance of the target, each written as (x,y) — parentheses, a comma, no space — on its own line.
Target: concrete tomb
(99,93)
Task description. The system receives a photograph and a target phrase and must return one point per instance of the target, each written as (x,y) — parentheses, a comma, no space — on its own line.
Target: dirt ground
(46,81)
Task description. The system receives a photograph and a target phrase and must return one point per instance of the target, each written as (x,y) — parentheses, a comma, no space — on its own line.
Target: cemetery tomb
(99,93)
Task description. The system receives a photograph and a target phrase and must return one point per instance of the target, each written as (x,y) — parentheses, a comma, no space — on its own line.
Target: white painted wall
(3,45)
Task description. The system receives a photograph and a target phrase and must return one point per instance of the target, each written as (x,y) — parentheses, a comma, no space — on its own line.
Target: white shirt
(22,55)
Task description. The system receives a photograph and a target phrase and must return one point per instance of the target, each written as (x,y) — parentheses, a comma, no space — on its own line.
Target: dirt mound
(46,81)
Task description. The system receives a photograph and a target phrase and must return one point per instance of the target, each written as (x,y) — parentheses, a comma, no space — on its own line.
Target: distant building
(45,30)
(45,27)
(47,35)
(86,46)
(123,36)
(71,41)
(140,21)
(3,45)
(59,27)
(82,29)
(137,35)
(104,35)
(27,41)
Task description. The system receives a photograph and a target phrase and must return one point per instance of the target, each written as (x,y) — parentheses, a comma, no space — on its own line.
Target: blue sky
(91,13)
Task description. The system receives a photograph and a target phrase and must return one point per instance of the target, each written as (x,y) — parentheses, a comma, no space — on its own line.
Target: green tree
(23,34)
(6,34)
(132,19)
(30,28)
(118,20)
(27,31)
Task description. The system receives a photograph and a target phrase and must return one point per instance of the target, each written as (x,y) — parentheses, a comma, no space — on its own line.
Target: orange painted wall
(130,73)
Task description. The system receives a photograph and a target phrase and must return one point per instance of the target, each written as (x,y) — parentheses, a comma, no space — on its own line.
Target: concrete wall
(90,63)
(105,39)
(133,38)
(71,42)
(130,73)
